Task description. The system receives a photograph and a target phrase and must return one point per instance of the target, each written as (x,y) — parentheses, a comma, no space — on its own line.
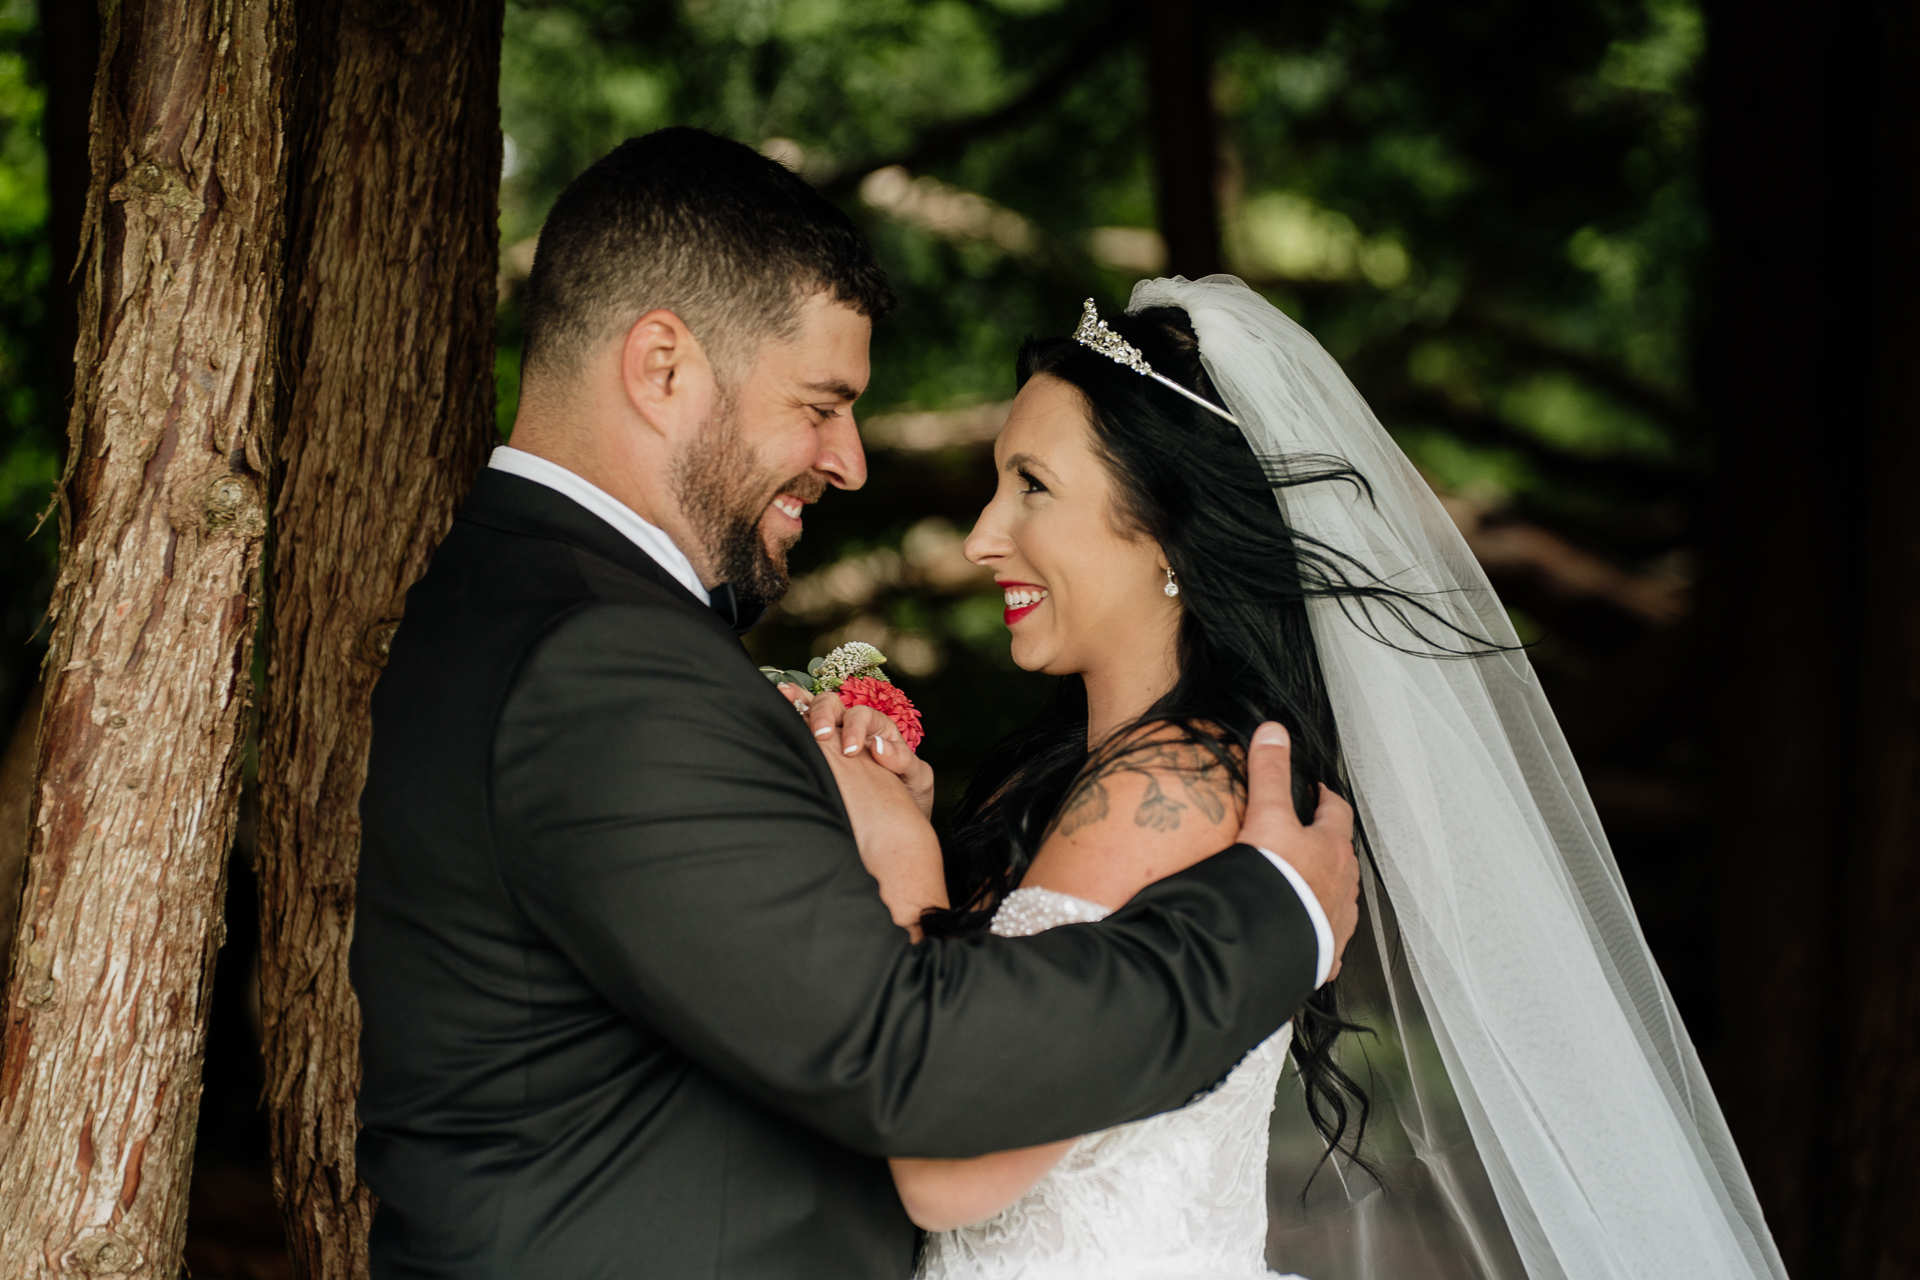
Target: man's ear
(669,381)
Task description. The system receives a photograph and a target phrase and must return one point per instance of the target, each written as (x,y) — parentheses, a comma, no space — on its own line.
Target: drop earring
(1172,588)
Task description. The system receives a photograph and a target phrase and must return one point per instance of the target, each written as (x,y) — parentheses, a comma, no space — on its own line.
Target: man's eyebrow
(834,387)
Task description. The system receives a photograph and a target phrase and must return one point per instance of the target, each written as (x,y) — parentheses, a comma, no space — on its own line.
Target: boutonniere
(853,673)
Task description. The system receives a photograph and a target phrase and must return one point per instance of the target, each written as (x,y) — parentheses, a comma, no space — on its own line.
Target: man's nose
(841,457)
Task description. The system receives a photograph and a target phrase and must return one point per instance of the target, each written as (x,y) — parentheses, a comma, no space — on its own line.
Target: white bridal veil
(1529,1065)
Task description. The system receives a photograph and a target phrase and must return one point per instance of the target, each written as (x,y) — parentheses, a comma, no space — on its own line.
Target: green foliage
(1488,211)
(30,413)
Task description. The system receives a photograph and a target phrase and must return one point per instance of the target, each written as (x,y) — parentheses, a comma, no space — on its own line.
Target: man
(632,1004)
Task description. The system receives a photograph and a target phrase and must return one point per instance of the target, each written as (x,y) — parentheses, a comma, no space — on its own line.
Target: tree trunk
(1776,600)
(1875,1192)
(1812,382)
(1181,125)
(389,338)
(163,515)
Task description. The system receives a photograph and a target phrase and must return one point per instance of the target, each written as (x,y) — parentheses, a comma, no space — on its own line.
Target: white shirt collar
(653,541)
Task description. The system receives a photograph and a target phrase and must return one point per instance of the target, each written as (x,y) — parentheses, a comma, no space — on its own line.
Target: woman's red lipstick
(1015,614)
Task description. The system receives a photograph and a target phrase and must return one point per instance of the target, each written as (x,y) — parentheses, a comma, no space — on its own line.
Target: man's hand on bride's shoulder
(1321,851)
(852,731)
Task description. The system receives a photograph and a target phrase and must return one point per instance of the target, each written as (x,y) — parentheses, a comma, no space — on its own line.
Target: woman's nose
(986,543)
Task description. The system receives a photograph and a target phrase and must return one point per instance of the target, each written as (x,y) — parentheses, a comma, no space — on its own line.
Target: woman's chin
(1031,654)
(1026,655)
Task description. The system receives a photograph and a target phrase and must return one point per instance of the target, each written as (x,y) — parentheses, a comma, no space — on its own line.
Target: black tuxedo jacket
(632,1006)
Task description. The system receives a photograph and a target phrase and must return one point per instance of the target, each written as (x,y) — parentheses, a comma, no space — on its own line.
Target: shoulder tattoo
(1157,810)
(1086,804)
(1205,784)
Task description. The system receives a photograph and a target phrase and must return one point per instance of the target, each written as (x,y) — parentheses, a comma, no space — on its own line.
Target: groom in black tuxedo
(633,1007)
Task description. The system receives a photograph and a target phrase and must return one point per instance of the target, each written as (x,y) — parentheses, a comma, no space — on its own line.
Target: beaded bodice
(1177,1196)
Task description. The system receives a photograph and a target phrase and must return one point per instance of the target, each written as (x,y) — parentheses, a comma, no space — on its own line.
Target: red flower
(865,691)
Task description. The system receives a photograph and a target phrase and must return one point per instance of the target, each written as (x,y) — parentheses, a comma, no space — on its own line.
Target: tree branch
(1512,549)
(1530,346)
(944,141)
(1655,402)
(1632,476)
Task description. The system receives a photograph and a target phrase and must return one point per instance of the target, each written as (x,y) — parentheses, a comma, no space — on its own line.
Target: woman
(1136,533)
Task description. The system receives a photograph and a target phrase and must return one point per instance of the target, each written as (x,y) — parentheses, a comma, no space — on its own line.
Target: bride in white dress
(1200,524)
(1179,1196)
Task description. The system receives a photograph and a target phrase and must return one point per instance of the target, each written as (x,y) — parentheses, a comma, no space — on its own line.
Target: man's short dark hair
(730,241)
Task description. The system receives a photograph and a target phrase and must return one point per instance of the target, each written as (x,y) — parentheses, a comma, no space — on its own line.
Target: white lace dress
(1178,1196)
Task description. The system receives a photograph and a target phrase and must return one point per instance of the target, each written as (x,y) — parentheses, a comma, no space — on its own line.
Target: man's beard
(725,499)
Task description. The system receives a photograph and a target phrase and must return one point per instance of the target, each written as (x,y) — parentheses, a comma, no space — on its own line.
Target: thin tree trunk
(163,516)
(1181,125)
(390,312)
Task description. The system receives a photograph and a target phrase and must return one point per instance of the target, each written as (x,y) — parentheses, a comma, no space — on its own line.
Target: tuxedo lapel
(514,504)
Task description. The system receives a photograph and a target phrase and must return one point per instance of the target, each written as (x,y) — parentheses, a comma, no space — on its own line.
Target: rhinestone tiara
(1094,334)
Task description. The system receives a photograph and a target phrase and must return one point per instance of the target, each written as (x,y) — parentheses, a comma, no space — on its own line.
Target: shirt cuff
(1322,931)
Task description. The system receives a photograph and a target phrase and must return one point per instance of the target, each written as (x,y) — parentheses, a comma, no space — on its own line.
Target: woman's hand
(897,844)
(851,730)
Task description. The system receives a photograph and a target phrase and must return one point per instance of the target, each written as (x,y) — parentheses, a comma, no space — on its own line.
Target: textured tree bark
(389,414)
(1181,125)
(163,515)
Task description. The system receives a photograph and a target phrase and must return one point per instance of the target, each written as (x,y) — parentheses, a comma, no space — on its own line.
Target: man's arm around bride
(1105,856)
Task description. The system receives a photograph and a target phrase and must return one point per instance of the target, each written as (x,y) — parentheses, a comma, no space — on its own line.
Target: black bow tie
(740,616)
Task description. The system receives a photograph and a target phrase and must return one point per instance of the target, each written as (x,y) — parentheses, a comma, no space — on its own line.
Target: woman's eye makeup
(1030,485)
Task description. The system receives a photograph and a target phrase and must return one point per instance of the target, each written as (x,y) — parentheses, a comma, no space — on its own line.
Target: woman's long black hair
(1186,478)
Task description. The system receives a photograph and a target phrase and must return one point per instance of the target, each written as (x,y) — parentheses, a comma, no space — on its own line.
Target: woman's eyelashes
(1027,479)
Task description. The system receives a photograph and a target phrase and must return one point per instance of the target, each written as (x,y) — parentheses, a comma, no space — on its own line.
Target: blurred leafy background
(1490,212)
(32,418)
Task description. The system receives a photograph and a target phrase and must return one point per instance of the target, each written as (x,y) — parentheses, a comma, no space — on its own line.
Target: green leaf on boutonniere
(800,678)
(813,668)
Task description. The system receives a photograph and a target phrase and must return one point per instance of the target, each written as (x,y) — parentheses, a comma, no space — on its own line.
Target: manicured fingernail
(847,751)
(823,731)
(879,745)
(1271,735)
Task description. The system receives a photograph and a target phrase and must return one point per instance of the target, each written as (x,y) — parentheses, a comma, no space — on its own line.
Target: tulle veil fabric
(1529,1061)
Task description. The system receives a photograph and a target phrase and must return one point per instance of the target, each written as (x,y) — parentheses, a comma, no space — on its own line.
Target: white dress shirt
(652,540)
(657,544)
